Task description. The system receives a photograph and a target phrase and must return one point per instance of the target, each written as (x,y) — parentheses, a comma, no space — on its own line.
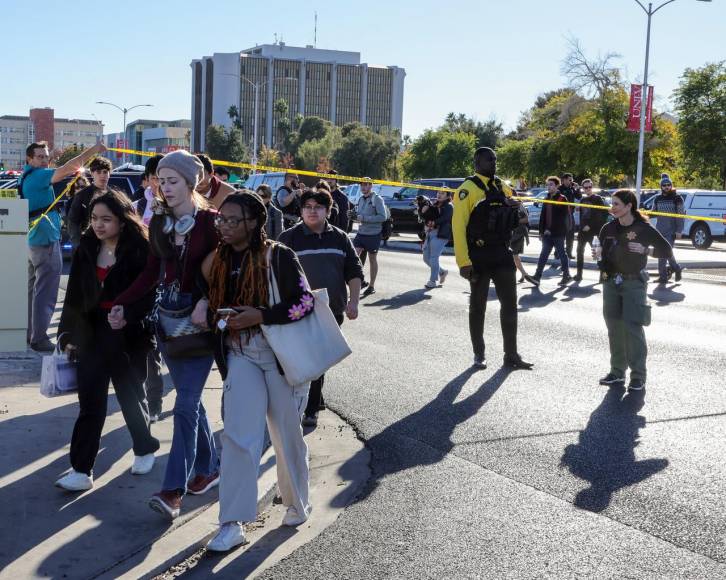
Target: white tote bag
(58,374)
(308,347)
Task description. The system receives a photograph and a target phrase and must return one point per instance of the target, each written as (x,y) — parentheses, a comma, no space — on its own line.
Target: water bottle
(596,248)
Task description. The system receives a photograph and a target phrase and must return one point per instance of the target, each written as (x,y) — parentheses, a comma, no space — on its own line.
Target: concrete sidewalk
(110,531)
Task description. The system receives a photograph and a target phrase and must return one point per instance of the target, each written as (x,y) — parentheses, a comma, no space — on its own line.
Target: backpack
(494,218)
(387,226)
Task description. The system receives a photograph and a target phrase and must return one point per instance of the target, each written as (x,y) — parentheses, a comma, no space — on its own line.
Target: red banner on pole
(636,102)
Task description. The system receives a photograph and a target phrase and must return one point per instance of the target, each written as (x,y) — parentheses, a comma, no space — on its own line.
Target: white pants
(254,388)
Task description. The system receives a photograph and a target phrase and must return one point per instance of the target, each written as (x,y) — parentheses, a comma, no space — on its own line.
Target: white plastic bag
(58,374)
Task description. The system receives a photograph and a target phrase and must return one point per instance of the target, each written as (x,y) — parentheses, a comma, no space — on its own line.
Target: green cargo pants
(626,311)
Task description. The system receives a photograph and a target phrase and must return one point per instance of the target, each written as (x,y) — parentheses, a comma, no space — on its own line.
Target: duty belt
(614,275)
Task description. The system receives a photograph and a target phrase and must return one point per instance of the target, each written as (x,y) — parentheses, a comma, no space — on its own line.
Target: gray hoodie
(371,212)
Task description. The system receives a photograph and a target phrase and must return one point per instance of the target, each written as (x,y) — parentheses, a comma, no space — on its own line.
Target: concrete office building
(152,136)
(331,84)
(17,132)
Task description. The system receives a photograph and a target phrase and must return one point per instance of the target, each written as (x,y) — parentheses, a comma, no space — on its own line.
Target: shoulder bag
(308,347)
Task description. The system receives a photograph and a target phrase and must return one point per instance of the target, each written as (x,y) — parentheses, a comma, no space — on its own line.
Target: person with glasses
(671,228)
(44,261)
(255,388)
(591,222)
(330,261)
(274,225)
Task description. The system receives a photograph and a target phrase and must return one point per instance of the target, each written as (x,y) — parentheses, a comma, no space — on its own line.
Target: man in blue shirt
(44,260)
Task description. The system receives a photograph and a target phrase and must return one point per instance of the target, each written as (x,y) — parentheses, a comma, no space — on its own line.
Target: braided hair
(251,288)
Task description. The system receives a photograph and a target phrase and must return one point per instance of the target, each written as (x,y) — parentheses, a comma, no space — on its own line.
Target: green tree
(66,154)
(281,111)
(309,129)
(439,153)
(700,101)
(310,152)
(233,113)
(488,134)
(364,152)
(225,144)
(268,156)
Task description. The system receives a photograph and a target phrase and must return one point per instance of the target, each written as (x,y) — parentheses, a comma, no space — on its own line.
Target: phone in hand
(226,311)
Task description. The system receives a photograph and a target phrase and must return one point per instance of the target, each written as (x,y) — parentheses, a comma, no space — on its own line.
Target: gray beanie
(184,163)
(665,179)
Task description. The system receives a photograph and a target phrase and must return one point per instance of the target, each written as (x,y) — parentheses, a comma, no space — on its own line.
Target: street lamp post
(124,110)
(644,94)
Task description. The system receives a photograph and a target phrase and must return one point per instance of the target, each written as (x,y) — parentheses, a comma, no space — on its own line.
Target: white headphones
(182,226)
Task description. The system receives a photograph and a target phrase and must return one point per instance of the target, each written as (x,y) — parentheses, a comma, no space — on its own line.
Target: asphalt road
(527,474)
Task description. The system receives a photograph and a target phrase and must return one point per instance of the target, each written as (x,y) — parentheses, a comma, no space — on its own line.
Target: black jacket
(84,294)
(595,218)
(294,292)
(341,200)
(555,218)
(78,213)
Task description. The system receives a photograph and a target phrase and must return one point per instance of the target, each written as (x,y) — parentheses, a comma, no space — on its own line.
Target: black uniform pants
(315,398)
(103,361)
(569,242)
(583,238)
(505,283)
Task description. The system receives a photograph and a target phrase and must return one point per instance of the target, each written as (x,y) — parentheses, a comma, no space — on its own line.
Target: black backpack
(494,218)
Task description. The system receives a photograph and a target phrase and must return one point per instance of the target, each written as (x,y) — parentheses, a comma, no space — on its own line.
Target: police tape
(60,196)
(413,185)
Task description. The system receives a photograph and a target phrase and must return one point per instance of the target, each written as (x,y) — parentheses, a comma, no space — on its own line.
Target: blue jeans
(193,451)
(432,249)
(670,260)
(558,243)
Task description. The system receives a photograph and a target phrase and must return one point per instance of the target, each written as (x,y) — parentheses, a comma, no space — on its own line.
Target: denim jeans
(558,243)
(193,451)
(432,249)
(663,263)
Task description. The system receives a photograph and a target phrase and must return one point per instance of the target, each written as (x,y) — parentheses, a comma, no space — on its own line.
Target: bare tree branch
(589,77)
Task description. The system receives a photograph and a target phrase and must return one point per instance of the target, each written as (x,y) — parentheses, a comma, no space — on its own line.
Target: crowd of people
(193,272)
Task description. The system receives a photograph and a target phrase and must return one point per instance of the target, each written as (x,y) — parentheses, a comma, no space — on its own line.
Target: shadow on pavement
(664,295)
(605,453)
(398,447)
(408,298)
(538,299)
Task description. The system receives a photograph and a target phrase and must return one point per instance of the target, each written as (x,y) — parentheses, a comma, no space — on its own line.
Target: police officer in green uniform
(485,256)
(626,243)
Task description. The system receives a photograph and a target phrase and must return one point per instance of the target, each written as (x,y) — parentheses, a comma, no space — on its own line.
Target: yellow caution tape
(61,195)
(412,185)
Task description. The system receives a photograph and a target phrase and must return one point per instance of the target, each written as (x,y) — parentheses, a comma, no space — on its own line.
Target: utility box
(14,276)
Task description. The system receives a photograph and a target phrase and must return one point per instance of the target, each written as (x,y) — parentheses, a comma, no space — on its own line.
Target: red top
(101,274)
(202,240)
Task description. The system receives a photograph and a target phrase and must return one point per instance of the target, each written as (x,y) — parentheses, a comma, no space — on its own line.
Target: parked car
(700,203)
(274,179)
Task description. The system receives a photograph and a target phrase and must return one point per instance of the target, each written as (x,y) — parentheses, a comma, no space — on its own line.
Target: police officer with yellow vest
(483,223)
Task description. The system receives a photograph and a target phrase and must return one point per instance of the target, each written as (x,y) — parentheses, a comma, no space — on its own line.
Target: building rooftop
(282,50)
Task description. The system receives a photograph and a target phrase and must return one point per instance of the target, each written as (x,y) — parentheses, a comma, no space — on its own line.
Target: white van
(700,203)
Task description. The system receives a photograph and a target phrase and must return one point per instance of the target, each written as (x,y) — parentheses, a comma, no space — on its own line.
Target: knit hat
(185,164)
(665,180)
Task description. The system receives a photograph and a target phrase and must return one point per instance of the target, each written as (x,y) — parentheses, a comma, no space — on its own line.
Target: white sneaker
(75,481)
(154,418)
(430,284)
(142,464)
(230,534)
(293,518)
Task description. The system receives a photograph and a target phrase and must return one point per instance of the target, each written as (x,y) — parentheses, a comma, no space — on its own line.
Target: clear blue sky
(481,58)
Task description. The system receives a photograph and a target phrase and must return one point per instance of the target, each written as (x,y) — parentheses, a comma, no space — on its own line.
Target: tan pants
(254,388)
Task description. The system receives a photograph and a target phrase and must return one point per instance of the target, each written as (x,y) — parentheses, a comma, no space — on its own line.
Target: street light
(644,93)
(124,110)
